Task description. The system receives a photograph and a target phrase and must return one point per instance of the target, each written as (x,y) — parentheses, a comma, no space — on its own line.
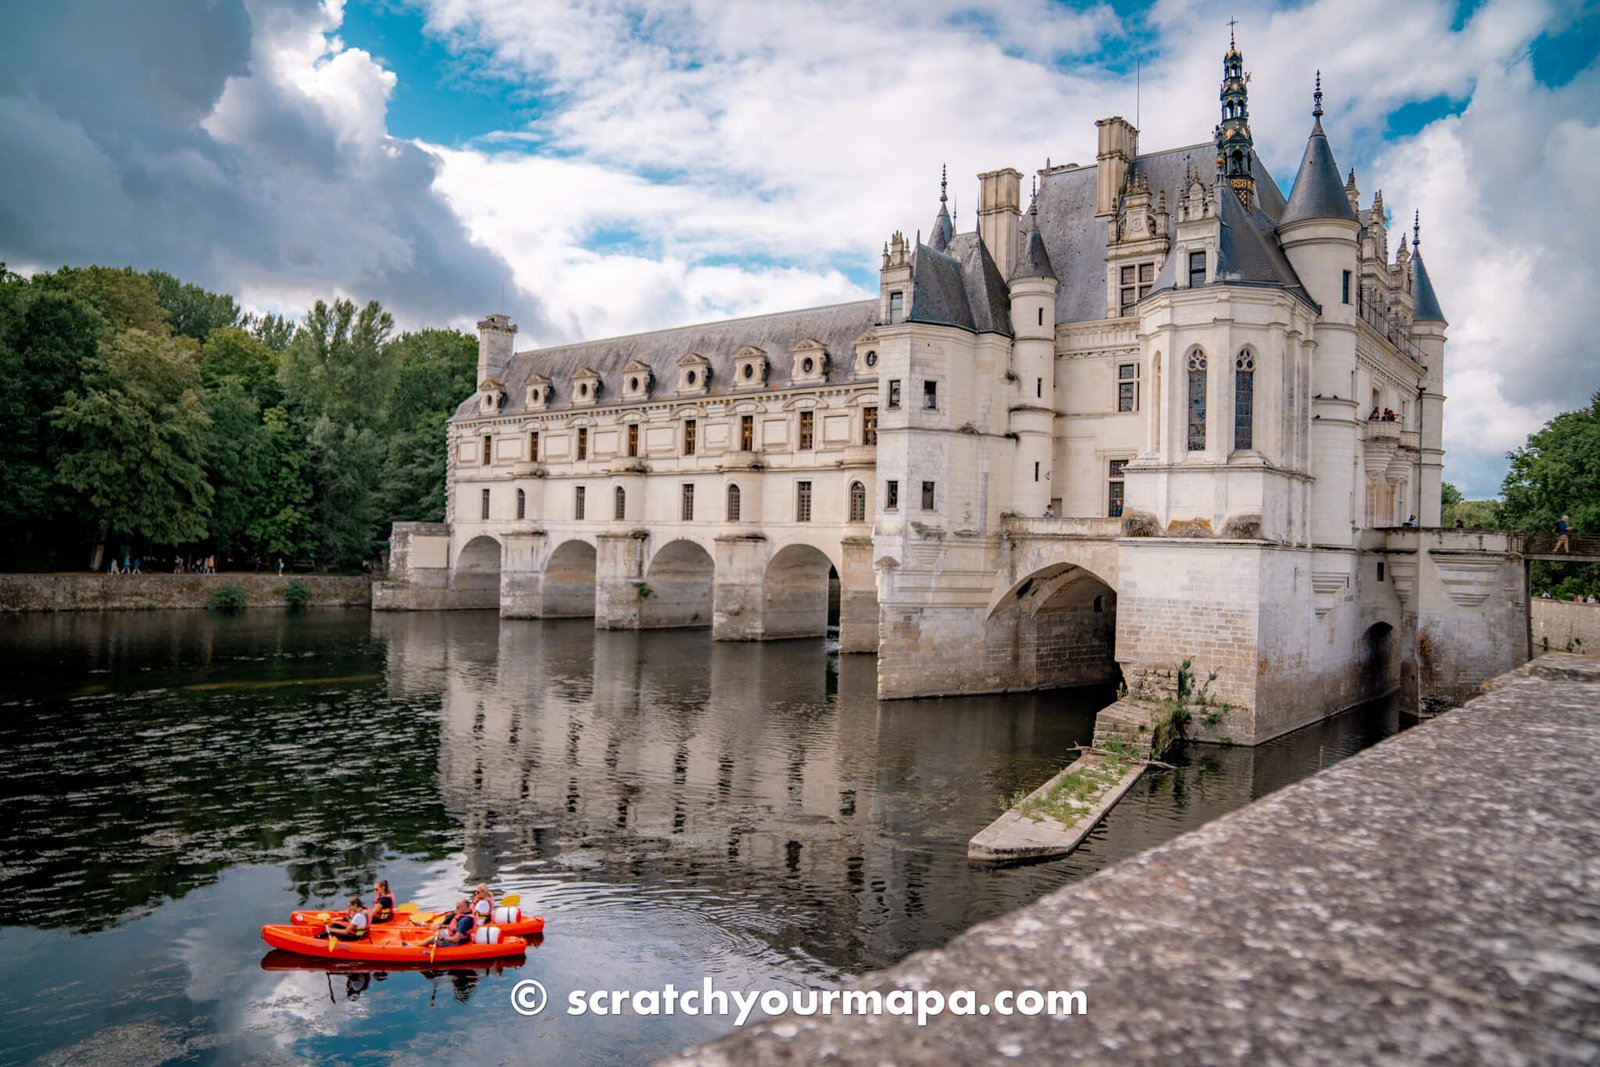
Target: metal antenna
(1138,86)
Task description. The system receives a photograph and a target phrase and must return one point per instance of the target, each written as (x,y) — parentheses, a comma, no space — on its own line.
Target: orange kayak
(520,926)
(390,943)
(283,960)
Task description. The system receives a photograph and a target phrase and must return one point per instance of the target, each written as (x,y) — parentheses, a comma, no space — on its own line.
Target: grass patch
(1075,793)
(228,598)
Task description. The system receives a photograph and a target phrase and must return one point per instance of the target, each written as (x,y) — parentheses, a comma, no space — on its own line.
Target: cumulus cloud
(241,146)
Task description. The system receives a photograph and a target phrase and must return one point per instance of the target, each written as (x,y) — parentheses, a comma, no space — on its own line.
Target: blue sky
(597,167)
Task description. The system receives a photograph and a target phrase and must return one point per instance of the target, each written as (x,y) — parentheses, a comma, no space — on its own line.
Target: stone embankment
(1562,626)
(134,592)
(1430,900)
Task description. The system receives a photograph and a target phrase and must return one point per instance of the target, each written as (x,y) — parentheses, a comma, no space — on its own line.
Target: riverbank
(147,592)
(1428,900)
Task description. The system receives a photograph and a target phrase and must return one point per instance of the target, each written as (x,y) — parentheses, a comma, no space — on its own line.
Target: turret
(1428,334)
(1033,286)
(1235,150)
(496,337)
(943,228)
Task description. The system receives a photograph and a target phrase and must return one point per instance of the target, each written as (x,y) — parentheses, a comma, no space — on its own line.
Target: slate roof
(1318,191)
(1426,302)
(1075,240)
(836,327)
(960,287)
(1033,259)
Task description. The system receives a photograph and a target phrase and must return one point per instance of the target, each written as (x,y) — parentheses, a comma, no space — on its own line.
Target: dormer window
(586,386)
(493,399)
(810,362)
(637,378)
(749,368)
(539,392)
(694,374)
(866,347)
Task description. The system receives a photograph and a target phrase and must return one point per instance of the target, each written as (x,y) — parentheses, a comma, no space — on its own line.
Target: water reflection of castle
(771,769)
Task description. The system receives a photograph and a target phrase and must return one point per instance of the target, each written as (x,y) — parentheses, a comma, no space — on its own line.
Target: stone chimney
(999,213)
(1119,143)
(496,336)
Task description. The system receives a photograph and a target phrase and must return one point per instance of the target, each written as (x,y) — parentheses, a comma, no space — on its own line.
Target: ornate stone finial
(1416,231)
(944,176)
(1317,96)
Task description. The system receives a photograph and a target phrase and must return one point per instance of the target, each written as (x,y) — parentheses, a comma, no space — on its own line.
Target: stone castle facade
(1160,412)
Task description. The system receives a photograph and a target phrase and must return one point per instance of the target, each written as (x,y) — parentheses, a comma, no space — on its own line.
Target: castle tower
(1320,234)
(1033,286)
(1234,146)
(1428,333)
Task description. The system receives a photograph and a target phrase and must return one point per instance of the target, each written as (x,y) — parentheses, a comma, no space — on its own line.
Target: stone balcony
(742,461)
(627,465)
(1379,430)
(859,456)
(528,470)
(1072,526)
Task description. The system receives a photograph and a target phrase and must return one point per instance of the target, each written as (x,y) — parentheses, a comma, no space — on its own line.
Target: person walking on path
(280,566)
(1562,530)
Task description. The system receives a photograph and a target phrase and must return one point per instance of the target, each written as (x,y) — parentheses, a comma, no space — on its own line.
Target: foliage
(296,594)
(1557,472)
(1074,794)
(192,311)
(1473,514)
(226,598)
(134,439)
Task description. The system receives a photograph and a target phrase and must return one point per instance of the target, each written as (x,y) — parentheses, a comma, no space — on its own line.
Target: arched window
(858,502)
(622,504)
(1244,400)
(522,504)
(733,503)
(1197,402)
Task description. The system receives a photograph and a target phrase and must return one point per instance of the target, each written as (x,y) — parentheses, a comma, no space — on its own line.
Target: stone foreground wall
(1430,900)
(134,592)
(1563,622)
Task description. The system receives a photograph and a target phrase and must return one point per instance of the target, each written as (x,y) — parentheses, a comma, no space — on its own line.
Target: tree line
(141,414)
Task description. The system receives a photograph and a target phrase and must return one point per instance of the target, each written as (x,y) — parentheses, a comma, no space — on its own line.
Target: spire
(1318,192)
(1033,261)
(943,228)
(1235,149)
(1425,302)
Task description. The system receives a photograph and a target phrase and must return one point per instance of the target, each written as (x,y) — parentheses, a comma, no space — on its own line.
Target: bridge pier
(619,585)
(736,599)
(522,574)
(858,598)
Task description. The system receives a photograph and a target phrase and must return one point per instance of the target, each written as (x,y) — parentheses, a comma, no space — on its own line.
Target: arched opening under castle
(1056,627)
(476,575)
(1377,666)
(795,593)
(680,580)
(569,581)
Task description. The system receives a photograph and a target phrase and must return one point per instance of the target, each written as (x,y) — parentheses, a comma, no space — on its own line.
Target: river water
(678,810)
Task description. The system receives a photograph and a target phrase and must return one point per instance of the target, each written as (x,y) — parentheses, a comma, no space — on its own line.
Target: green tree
(234,457)
(335,365)
(230,353)
(1558,473)
(135,435)
(280,522)
(1474,514)
(270,329)
(125,298)
(192,311)
(344,461)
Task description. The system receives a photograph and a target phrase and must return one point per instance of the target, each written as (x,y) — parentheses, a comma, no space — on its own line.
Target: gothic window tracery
(1244,390)
(1197,402)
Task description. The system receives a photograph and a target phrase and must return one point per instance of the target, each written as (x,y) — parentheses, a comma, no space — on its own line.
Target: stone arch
(1057,626)
(680,579)
(1378,665)
(794,592)
(475,578)
(569,581)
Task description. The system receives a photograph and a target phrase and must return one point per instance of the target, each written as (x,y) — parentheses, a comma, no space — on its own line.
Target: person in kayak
(457,929)
(482,905)
(354,926)
(382,909)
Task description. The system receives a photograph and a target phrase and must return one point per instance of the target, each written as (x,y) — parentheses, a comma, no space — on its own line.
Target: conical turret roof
(1425,303)
(1034,261)
(1319,191)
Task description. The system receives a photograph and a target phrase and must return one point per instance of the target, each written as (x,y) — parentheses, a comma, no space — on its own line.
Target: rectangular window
(583,442)
(747,433)
(688,503)
(930,396)
(1244,398)
(869,426)
(488,450)
(577,503)
(1380,570)
(485,505)
(1197,269)
(1041,316)
(891,496)
(1127,387)
(802,502)
(1114,498)
(633,438)
(894,392)
(533,447)
(927,496)
(897,307)
(1136,280)
(688,437)
(1038,388)
(522,504)
(1346,287)
(1035,470)
(807,424)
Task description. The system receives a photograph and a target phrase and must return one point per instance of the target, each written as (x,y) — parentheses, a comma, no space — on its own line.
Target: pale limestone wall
(1558,624)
